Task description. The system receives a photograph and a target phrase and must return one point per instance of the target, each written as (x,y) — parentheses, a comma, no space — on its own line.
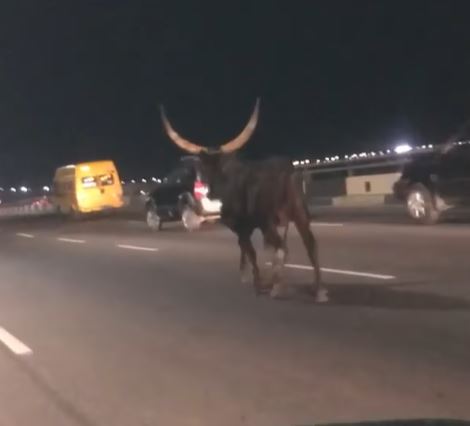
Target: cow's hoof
(278,292)
(322,296)
(244,278)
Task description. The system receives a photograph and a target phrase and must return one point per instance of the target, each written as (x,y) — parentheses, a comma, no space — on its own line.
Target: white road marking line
(129,247)
(70,240)
(332,224)
(12,343)
(341,271)
(22,234)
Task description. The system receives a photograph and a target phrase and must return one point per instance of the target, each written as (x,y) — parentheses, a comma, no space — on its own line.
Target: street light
(402,148)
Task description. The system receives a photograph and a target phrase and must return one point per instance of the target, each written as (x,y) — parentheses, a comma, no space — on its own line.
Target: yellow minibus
(87,187)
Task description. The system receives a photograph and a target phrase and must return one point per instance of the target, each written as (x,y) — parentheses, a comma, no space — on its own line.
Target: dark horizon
(83,81)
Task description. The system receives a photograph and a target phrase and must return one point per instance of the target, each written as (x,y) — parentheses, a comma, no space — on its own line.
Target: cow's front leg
(247,249)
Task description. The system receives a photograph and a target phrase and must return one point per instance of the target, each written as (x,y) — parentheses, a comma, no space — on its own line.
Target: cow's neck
(226,172)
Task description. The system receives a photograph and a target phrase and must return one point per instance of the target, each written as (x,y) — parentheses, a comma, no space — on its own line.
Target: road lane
(171,337)
(21,404)
(421,256)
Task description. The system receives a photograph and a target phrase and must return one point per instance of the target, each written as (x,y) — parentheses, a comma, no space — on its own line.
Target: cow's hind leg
(273,239)
(247,250)
(244,278)
(302,224)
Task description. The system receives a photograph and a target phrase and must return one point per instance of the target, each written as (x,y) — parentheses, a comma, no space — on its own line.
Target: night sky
(83,80)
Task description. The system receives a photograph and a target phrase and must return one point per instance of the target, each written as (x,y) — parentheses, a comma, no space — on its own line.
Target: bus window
(89,182)
(106,180)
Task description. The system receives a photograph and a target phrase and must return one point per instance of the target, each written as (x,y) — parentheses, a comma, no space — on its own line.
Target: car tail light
(200,190)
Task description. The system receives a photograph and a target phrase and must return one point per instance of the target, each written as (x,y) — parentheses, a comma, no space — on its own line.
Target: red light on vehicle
(200,190)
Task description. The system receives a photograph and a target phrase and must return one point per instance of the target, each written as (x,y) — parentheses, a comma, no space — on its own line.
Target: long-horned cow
(260,195)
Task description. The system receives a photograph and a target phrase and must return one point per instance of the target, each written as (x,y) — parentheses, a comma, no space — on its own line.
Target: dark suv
(435,182)
(183,195)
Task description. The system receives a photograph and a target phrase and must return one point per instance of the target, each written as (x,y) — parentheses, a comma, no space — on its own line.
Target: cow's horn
(177,139)
(245,134)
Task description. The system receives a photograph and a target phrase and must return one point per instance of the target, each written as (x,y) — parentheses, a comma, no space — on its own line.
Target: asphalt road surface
(105,323)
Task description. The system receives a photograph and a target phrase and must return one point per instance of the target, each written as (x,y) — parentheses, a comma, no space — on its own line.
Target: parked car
(183,195)
(436,182)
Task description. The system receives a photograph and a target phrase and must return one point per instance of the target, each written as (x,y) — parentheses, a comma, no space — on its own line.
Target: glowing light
(402,148)
(23,189)
(132,181)
(154,179)
(85,168)
(45,188)
(430,146)
(13,189)
(295,163)
(144,180)
(307,161)
(159,181)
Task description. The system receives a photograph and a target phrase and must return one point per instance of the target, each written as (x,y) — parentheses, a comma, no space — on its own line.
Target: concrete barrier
(36,206)
(377,184)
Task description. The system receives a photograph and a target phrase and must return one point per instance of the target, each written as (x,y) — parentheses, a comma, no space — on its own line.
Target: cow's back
(257,192)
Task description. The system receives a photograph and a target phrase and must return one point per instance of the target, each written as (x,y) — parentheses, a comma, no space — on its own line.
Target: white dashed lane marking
(15,345)
(328,224)
(341,271)
(70,240)
(23,235)
(139,248)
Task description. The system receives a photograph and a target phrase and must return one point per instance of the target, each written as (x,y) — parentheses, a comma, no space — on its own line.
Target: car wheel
(191,220)
(420,206)
(154,222)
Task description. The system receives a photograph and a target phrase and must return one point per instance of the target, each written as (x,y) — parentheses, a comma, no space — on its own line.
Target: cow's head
(213,159)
